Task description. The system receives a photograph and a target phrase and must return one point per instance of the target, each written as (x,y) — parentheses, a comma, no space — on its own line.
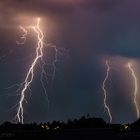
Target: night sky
(90,32)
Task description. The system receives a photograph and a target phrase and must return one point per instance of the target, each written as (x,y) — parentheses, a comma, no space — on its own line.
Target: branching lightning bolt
(30,74)
(55,61)
(58,52)
(21,42)
(135,89)
(23,37)
(44,80)
(105,92)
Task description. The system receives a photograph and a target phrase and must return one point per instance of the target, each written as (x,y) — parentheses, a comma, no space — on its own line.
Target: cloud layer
(111,26)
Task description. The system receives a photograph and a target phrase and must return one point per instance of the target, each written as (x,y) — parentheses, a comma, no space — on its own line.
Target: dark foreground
(82,129)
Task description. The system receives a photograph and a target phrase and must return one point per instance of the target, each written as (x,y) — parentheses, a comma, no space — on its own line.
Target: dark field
(82,129)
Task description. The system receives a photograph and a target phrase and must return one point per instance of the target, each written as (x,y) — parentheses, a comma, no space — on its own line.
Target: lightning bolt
(44,76)
(130,66)
(55,61)
(30,73)
(58,52)
(44,80)
(21,42)
(23,37)
(105,92)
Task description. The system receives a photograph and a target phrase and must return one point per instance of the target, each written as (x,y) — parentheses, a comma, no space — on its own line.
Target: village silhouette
(85,128)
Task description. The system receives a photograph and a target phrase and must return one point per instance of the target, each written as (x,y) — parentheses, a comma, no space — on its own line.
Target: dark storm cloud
(109,26)
(123,29)
(43,6)
(37,6)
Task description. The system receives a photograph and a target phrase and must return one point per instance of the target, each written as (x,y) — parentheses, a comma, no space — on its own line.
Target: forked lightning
(105,92)
(30,73)
(130,66)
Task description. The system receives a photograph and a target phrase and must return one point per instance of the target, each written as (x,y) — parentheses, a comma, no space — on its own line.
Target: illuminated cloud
(107,26)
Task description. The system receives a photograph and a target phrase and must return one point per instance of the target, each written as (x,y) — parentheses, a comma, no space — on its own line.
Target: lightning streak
(58,52)
(55,61)
(44,80)
(105,92)
(135,89)
(30,73)
(23,37)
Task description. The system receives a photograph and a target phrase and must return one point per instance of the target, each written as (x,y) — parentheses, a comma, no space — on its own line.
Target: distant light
(42,126)
(56,128)
(126,126)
